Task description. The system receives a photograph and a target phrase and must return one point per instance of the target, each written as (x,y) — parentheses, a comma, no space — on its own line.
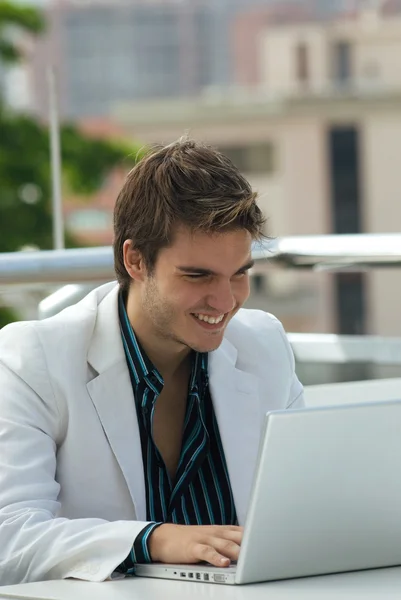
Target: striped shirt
(201,492)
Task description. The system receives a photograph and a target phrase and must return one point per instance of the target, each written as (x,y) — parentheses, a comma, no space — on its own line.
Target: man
(130,422)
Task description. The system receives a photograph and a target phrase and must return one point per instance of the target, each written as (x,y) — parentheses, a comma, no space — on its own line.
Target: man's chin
(209,346)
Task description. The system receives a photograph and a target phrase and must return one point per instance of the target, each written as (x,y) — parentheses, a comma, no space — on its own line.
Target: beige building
(348,72)
(321,165)
(318,134)
(361,53)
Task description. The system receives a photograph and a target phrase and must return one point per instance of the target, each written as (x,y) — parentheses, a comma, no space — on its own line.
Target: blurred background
(304,96)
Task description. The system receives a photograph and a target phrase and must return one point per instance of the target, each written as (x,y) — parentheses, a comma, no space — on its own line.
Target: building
(329,68)
(318,133)
(107,51)
(121,50)
(359,53)
(287,49)
(246,30)
(322,164)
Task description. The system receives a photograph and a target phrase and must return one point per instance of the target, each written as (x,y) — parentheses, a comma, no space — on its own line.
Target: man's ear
(133,262)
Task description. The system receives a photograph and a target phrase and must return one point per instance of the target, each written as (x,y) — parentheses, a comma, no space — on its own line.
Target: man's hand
(188,544)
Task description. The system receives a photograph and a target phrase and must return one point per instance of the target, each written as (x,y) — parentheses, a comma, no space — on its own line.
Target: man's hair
(185,183)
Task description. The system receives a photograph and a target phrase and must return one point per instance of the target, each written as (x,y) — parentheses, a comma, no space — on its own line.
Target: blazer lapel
(234,394)
(112,396)
(237,407)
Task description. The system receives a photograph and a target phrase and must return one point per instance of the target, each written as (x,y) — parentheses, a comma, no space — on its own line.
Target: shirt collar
(140,365)
(199,376)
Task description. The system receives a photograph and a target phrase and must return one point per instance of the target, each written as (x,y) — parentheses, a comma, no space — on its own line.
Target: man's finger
(227,548)
(232,528)
(234,536)
(206,553)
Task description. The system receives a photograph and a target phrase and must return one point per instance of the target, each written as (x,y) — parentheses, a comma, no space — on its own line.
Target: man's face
(197,286)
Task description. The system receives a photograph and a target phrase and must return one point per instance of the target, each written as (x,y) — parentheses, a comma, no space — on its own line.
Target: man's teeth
(211,320)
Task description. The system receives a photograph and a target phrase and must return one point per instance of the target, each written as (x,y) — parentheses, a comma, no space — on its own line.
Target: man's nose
(221,298)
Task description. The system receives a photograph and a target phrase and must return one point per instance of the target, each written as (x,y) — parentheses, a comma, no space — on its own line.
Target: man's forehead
(209,251)
(199,237)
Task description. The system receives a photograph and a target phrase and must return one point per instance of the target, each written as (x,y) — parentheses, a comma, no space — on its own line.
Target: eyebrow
(201,271)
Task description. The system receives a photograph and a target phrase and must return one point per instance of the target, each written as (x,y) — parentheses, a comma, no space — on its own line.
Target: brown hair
(186,183)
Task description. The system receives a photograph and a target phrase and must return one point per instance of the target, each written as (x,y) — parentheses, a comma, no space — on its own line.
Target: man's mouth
(211,320)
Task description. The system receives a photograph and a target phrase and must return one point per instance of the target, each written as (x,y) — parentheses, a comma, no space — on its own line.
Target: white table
(366,585)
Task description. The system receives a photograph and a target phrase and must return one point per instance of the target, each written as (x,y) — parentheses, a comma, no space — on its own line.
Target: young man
(130,422)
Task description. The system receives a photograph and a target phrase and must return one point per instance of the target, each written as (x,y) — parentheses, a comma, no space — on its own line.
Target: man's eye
(195,275)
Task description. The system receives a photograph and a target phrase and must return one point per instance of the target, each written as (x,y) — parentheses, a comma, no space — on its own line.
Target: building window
(351,291)
(254,159)
(302,64)
(345,179)
(258,284)
(342,62)
(347,205)
(236,154)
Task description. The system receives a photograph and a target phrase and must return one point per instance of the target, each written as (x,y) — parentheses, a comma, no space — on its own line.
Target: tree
(25,173)
(23,18)
(25,176)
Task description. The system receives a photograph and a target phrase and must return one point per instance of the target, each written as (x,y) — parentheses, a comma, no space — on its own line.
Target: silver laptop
(326,498)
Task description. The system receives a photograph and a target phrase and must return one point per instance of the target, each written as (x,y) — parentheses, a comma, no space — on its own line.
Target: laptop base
(199,573)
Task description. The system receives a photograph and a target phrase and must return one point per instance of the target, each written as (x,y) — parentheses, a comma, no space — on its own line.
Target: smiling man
(130,422)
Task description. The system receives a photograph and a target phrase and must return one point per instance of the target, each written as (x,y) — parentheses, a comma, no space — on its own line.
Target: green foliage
(7,315)
(25,219)
(87,161)
(14,16)
(25,160)
(25,155)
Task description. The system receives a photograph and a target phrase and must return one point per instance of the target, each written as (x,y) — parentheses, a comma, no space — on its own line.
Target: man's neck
(170,358)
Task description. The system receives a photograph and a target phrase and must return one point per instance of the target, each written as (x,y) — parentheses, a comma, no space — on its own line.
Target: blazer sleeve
(35,543)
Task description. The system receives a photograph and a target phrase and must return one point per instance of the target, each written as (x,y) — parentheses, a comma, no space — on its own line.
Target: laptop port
(183,574)
(219,578)
(198,576)
(191,575)
(205,577)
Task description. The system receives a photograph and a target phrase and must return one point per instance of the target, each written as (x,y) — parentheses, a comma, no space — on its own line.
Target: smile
(209,319)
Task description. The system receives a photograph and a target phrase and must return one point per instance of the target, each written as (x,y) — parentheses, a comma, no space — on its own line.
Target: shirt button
(153,379)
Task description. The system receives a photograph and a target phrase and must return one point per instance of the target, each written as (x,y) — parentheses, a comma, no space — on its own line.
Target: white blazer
(72,492)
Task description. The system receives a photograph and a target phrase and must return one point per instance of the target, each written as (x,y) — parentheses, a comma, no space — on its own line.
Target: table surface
(379,583)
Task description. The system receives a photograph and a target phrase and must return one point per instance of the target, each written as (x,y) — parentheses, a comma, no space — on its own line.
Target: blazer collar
(235,398)
(106,347)
(238,412)
(112,395)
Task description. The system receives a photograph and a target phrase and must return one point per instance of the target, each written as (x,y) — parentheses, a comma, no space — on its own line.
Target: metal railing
(323,358)
(345,349)
(331,252)
(320,357)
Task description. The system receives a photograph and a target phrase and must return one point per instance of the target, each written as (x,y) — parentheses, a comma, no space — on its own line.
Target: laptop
(326,498)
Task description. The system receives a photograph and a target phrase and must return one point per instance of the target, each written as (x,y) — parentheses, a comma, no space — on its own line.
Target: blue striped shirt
(201,492)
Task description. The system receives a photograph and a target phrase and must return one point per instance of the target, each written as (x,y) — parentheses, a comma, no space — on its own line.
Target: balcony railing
(327,252)
(320,357)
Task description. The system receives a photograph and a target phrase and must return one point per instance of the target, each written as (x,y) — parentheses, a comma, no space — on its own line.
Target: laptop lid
(327,493)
